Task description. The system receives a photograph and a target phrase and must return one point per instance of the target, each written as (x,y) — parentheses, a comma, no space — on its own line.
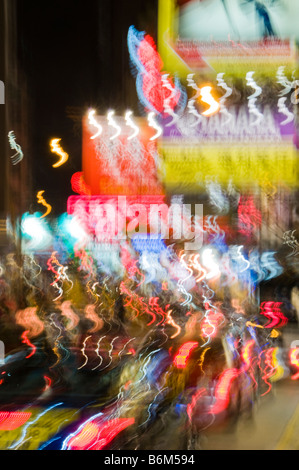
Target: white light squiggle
(223,109)
(97,352)
(131,123)
(94,123)
(253,98)
(113,124)
(191,103)
(18,156)
(167,107)
(282,108)
(282,80)
(152,123)
(83,352)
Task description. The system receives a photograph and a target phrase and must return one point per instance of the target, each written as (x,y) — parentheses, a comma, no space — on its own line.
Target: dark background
(73,55)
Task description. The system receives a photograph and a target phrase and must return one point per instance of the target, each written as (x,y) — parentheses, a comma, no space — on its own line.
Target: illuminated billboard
(227,36)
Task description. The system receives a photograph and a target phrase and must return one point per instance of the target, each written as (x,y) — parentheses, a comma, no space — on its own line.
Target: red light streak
(222,390)
(78,184)
(269,370)
(48,382)
(195,397)
(180,360)
(10,420)
(26,341)
(96,437)
(271,310)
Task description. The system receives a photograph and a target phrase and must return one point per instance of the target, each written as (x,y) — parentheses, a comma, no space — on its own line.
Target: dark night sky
(74,55)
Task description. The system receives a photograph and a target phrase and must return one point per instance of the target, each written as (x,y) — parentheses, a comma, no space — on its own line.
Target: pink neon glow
(269,369)
(210,324)
(250,217)
(271,310)
(294,360)
(96,437)
(223,389)
(180,360)
(152,86)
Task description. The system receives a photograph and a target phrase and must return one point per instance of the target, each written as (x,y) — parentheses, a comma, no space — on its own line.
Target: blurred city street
(149,218)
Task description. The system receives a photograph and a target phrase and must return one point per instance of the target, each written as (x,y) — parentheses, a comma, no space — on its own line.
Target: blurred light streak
(167,101)
(131,123)
(269,263)
(290,240)
(72,436)
(30,423)
(272,311)
(207,97)
(91,315)
(11,420)
(191,103)
(83,352)
(202,358)
(97,352)
(93,436)
(283,109)
(26,341)
(29,319)
(18,156)
(78,184)
(48,383)
(110,352)
(182,281)
(170,321)
(278,364)
(112,123)
(190,407)
(149,83)
(95,124)
(56,342)
(248,358)
(282,80)
(56,148)
(252,99)
(222,391)
(199,268)
(42,201)
(180,359)
(294,96)
(208,260)
(152,123)
(124,347)
(211,323)
(269,369)
(294,361)
(228,90)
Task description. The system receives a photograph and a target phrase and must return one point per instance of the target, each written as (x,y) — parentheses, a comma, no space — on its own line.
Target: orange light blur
(56,148)
(42,201)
